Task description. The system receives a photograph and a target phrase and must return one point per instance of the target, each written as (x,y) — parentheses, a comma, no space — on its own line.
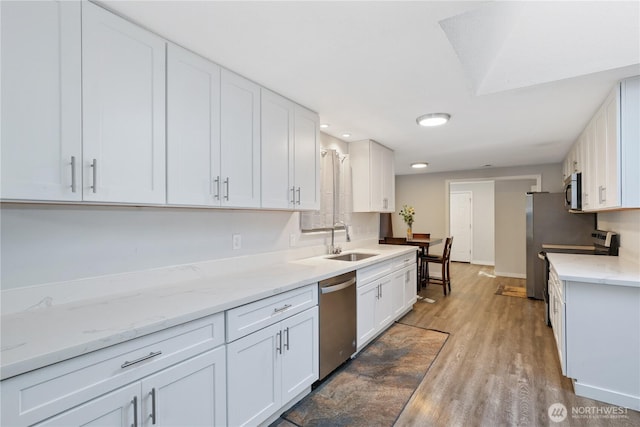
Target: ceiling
(520,79)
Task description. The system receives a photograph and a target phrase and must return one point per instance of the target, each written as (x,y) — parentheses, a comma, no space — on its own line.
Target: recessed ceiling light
(419,165)
(324,125)
(433,119)
(346,135)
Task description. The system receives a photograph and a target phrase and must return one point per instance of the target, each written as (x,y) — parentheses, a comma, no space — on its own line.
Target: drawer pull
(283,308)
(148,356)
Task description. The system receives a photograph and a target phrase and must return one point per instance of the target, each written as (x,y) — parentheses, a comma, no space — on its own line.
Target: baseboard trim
(607,396)
(507,274)
(482,262)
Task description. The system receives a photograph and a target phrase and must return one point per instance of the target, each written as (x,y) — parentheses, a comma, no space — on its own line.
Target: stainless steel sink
(353,256)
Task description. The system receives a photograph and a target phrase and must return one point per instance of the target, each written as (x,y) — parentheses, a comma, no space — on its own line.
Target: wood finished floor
(499,366)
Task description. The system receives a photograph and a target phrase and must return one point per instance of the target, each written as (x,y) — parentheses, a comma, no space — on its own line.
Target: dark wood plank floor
(499,366)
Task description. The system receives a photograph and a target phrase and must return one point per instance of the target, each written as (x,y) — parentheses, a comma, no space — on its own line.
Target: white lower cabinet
(268,368)
(189,393)
(385,292)
(172,377)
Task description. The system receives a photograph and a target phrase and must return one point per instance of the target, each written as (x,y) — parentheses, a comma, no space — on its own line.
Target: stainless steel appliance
(603,243)
(337,321)
(549,223)
(573,192)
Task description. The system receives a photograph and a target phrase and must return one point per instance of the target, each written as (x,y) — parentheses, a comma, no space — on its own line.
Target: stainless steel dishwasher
(337,321)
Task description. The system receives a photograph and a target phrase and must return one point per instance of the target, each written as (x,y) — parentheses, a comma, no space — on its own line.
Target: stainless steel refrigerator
(548,222)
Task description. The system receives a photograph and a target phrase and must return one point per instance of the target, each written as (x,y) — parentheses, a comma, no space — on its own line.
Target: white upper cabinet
(609,151)
(193,129)
(41,100)
(306,157)
(277,128)
(290,154)
(239,169)
(373,171)
(123,70)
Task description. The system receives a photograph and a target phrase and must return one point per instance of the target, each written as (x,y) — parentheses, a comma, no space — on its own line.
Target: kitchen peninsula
(595,313)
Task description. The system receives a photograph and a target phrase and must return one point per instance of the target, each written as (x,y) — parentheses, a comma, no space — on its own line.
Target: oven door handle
(338,287)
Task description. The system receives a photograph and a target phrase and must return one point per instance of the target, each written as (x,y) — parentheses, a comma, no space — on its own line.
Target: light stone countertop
(606,270)
(37,338)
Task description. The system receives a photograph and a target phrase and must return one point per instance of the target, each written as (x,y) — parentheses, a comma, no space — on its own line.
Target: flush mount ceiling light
(346,135)
(419,165)
(324,125)
(433,119)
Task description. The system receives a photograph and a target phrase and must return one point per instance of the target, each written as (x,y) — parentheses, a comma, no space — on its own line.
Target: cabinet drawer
(403,261)
(373,272)
(251,317)
(39,394)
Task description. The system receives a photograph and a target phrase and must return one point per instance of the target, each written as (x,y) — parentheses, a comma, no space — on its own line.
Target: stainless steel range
(603,243)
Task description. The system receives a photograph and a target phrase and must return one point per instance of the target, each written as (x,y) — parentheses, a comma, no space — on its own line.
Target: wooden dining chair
(423,267)
(444,261)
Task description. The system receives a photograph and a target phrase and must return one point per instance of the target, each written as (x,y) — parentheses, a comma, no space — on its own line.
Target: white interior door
(460,224)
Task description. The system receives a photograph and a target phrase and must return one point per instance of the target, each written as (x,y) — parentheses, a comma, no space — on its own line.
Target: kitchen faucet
(337,249)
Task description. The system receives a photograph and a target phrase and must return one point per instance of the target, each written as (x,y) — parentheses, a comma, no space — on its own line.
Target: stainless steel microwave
(573,192)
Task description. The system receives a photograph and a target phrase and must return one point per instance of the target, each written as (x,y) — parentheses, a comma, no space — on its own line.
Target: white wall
(49,243)
(511,227)
(482,221)
(627,225)
(429,194)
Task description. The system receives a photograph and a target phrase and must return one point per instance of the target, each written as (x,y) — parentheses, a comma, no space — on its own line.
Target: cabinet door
(600,158)
(118,408)
(277,129)
(384,307)
(41,100)
(299,353)
(376,172)
(123,87)
(366,306)
(388,181)
(410,286)
(307,159)
(190,393)
(612,184)
(193,129)
(398,279)
(240,141)
(254,377)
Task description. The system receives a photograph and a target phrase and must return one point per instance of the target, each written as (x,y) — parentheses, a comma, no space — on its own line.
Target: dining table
(423,243)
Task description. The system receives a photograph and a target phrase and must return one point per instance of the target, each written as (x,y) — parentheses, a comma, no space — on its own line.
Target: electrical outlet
(292,240)
(237,241)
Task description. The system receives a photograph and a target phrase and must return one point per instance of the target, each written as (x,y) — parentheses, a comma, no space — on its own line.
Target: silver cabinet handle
(283,308)
(94,165)
(381,291)
(293,195)
(298,191)
(226,183)
(286,343)
(279,344)
(153,405)
(135,411)
(133,362)
(217,183)
(73,174)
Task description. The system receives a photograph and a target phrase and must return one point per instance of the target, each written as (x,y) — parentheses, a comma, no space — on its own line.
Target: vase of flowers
(407,213)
